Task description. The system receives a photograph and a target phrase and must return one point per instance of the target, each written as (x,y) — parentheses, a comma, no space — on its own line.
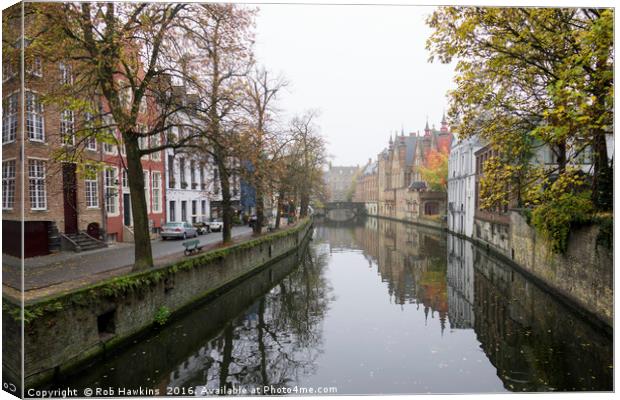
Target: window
(143,105)
(8,185)
(121,145)
(67,128)
(91,189)
(34,117)
(126,97)
(155,142)
(171,172)
(184,211)
(91,142)
(147,192)
(172,213)
(203,208)
(182,172)
(156,192)
(194,210)
(8,70)
(202,177)
(192,173)
(110,182)
(9,120)
(36,180)
(109,145)
(35,67)
(66,73)
(124,179)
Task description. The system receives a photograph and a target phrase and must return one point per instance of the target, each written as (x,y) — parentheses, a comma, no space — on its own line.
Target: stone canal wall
(581,278)
(64,332)
(584,274)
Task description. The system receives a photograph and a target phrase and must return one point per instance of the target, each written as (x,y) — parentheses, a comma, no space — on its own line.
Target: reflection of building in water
(536,343)
(411,260)
(460,283)
(338,235)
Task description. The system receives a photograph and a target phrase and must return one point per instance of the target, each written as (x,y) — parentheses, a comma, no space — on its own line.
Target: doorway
(126,209)
(69,191)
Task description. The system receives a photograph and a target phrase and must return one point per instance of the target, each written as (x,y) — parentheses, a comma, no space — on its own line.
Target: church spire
(444,123)
(427,130)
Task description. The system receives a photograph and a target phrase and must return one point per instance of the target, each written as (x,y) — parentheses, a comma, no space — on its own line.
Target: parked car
(181,230)
(216,225)
(202,228)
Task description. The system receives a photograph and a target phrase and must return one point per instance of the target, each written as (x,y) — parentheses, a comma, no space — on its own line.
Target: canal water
(371,307)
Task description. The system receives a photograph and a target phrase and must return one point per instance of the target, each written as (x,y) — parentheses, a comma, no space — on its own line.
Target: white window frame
(91,189)
(111,191)
(37,184)
(9,118)
(35,67)
(156,189)
(91,141)
(147,191)
(8,184)
(35,118)
(155,142)
(109,148)
(67,127)
(66,73)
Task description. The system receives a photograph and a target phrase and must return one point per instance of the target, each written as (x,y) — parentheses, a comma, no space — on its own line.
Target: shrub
(162,315)
(554,218)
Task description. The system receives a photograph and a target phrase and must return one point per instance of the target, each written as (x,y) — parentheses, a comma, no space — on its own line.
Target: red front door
(69,185)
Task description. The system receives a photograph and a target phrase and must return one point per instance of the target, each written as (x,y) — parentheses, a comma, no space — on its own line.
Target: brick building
(74,189)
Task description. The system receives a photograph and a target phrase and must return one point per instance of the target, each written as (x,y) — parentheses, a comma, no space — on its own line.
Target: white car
(215,225)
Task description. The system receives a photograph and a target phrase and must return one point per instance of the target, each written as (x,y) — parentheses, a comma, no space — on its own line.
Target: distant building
(367,188)
(462,185)
(339,181)
(402,193)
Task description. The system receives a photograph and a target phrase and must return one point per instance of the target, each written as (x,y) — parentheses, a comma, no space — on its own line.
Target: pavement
(67,270)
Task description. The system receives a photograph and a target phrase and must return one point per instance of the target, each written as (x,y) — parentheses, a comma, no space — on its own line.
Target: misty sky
(364,67)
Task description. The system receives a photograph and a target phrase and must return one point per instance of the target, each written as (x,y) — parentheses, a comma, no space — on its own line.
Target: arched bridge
(343,210)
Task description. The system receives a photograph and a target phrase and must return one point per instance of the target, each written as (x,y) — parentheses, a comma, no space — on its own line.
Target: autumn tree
(262,138)
(531,79)
(124,57)
(221,37)
(435,172)
(309,157)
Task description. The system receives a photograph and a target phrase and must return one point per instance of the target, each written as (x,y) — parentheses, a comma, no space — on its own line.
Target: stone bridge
(343,210)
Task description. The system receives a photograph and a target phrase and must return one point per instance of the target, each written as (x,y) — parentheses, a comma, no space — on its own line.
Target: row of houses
(465,170)
(64,201)
(392,186)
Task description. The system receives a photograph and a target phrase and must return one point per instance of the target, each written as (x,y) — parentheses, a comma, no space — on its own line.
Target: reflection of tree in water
(278,340)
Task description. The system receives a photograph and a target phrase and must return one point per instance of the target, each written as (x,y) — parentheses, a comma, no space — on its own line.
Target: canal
(371,307)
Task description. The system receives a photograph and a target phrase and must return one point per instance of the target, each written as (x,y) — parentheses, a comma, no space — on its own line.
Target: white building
(462,185)
(187,184)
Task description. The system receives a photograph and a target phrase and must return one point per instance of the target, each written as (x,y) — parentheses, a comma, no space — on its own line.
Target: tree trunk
(603,179)
(260,211)
(227,212)
(135,178)
(303,203)
(279,209)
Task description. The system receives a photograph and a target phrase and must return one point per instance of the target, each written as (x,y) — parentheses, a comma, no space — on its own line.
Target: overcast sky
(364,67)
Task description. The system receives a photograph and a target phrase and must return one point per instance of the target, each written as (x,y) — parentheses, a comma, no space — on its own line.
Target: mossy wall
(65,330)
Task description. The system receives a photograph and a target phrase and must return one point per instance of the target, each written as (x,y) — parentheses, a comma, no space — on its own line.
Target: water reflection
(373,307)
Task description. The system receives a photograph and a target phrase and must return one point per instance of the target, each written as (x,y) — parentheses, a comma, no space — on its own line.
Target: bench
(191,246)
